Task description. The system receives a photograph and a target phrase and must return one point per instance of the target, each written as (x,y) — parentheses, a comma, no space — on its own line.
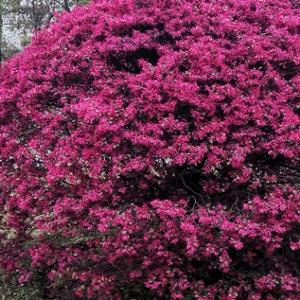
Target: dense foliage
(150,149)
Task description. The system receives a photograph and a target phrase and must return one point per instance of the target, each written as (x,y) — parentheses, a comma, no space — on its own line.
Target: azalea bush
(150,149)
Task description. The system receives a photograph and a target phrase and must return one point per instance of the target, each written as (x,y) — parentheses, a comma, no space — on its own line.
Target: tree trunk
(66,5)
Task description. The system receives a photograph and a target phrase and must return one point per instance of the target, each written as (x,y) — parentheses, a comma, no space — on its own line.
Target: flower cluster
(150,148)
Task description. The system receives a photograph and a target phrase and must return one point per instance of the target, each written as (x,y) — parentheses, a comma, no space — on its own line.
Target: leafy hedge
(150,149)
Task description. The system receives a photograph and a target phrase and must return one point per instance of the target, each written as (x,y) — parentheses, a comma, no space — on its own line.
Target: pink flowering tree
(150,149)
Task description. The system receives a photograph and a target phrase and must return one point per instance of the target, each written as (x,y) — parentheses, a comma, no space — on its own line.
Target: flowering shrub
(151,149)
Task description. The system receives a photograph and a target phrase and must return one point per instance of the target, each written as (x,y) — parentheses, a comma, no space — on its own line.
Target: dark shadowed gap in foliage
(263,164)
(233,82)
(143,27)
(190,182)
(212,34)
(70,123)
(78,79)
(49,100)
(164,38)
(202,88)
(263,158)
(218,81)
(183,111)
(294,30)
(213,276)
(142,4)
(155,190)
(204,273)
(127,30)
(295,104)
(253,6)
(260,265)
(190,24)
(259,65)
(124,90)
(184,66)
(100,38)
(128,61)
(267,129)
(295,4)
(184,34)
(235,255)
(142,117)
(228,46)
(219,112)
(286,68)
(154,120)
(79,38)
(167,136)
(272,85)
(292,258)
(236,195)
(264,25)
(231,36)
(25,133)
(203,84)
(139,291)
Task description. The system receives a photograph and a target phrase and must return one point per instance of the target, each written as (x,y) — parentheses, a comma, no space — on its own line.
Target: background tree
(7,42)
(19,18)
(1,28)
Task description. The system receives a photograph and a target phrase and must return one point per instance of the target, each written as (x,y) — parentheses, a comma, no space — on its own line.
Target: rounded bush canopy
(151,149)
